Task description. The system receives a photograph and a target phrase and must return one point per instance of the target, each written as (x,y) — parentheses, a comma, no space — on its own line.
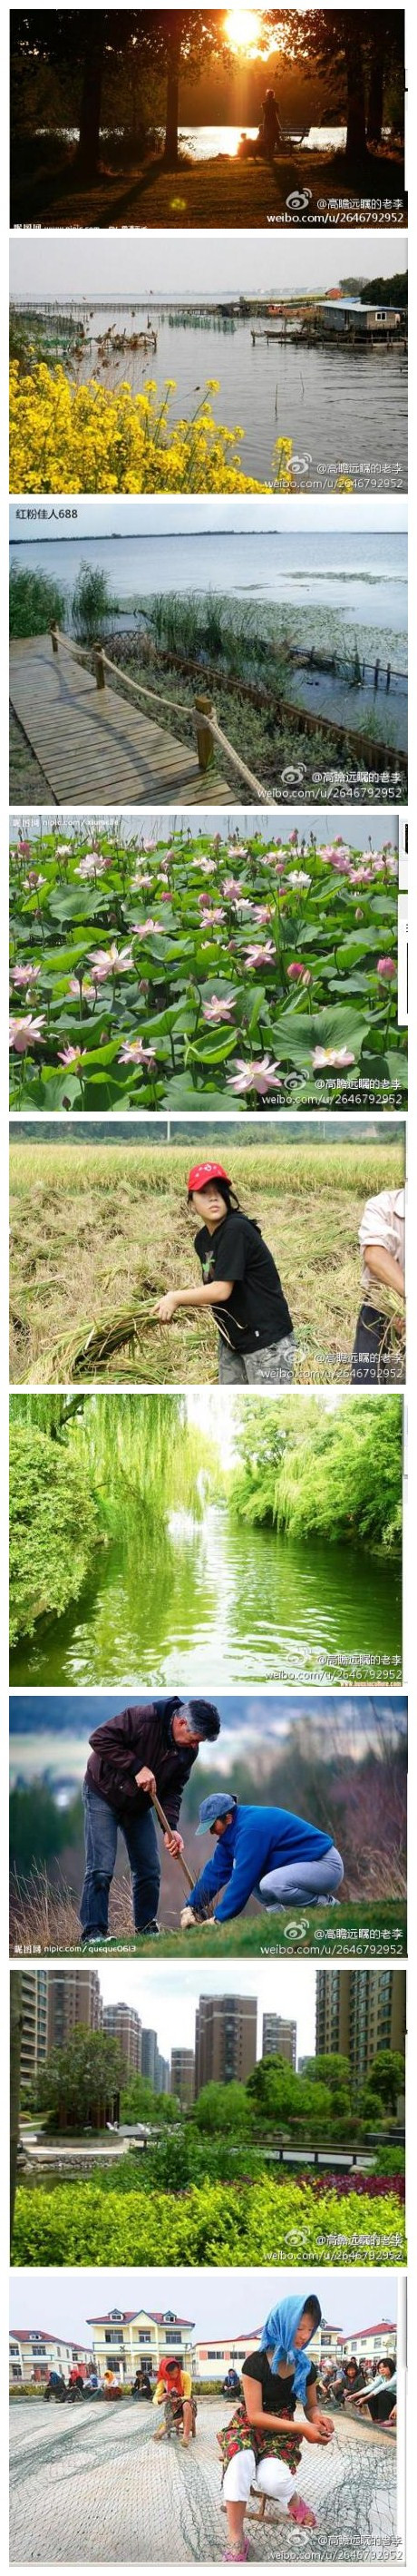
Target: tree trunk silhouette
(16,2016)
(172,103)
(88,148)
(376,89)
(356,142)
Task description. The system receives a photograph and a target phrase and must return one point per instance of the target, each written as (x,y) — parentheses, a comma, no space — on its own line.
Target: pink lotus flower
(298,974)
(338,1057)
(30,883)
(145,929)
(110,961)
(25,975)
(386,968)
(264,911)
(72,1056)
(140,884)
(239,851)
(231,887)
(273,858)
(360,876)
(219,1010)
(63,850)
(26,1033)
(75,983)
(206,867)
(336,859)
(261,1076)
(211,918)
(260,956)
(133,1052)
(335,850)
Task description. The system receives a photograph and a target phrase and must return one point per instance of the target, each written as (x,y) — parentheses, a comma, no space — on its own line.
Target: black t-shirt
(277,2393)
(256,1315)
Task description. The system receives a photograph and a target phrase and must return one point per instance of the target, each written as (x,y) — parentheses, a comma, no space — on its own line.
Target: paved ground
(89,2484)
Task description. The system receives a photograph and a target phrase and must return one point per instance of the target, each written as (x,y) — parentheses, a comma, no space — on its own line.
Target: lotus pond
(146,975)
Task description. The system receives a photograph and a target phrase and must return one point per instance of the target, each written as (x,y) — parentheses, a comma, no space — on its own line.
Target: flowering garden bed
(154,976)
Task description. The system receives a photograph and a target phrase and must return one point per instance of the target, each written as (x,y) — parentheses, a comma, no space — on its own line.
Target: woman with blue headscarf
(261,2447)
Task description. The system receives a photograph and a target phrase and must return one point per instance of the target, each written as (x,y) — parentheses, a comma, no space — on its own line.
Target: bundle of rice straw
(89,1356)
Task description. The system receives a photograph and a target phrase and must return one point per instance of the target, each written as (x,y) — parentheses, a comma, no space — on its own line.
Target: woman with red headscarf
(174,2389)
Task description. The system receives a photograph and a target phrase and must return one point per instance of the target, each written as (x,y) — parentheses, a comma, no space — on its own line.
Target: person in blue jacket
(264,1852)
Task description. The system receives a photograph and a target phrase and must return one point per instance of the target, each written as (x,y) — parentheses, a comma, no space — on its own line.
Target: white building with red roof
(124,2337)
(33,2353)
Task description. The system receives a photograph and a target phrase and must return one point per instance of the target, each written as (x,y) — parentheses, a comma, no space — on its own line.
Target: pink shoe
(235,2555)
(300,2512)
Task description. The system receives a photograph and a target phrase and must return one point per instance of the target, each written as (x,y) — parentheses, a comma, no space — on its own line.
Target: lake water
(361,577)
(206,141)
(337,405)
(224,1606)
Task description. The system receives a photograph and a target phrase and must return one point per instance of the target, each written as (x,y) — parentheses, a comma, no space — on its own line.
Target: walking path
(93,747)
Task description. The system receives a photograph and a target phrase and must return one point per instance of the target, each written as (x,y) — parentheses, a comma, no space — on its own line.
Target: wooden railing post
(205,745)
(100,668)
(54,637)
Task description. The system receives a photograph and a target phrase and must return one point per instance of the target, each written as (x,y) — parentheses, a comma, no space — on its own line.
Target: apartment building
(279,2038)
(34,2034)
(123,2024)
(359,2011)
(183,2073)
(225,2039)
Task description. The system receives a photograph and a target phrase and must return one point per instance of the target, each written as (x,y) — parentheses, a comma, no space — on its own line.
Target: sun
(244,31)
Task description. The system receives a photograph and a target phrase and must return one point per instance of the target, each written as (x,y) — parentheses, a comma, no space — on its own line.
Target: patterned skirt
(240,2435)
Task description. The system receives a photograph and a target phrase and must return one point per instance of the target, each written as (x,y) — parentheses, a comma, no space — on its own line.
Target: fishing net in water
(93,2486)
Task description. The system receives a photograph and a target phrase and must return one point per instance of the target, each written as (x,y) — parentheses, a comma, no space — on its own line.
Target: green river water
(219,1605)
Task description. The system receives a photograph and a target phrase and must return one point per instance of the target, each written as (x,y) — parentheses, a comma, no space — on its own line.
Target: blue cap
(211,1808)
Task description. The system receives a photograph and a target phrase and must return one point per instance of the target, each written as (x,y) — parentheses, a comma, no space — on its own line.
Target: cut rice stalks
(90,1356)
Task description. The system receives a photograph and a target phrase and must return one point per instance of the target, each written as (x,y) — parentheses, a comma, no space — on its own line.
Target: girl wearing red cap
(239,1281)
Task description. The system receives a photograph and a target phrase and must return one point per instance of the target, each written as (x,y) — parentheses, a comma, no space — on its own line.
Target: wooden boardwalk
(95,748)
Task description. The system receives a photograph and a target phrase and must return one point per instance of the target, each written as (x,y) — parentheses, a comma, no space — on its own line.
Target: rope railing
(202,713)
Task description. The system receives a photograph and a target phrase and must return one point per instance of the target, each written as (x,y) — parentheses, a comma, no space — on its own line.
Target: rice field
(98,1229)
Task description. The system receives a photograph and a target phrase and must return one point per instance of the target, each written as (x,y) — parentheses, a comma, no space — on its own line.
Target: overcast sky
(145,517)
(217,2302)
(166,1997)
(121,265)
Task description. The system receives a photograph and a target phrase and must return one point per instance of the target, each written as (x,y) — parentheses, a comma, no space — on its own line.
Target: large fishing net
(92,2485)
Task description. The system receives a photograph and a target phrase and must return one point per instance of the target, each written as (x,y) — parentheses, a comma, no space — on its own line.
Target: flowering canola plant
(86,438)
(158,975)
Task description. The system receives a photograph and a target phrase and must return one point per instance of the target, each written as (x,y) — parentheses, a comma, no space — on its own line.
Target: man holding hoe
(141,1757)
(265,1852)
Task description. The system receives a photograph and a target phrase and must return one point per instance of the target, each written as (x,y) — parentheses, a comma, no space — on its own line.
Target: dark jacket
(120,1748)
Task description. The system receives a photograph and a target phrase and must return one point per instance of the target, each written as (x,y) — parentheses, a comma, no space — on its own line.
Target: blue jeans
(101,1827)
